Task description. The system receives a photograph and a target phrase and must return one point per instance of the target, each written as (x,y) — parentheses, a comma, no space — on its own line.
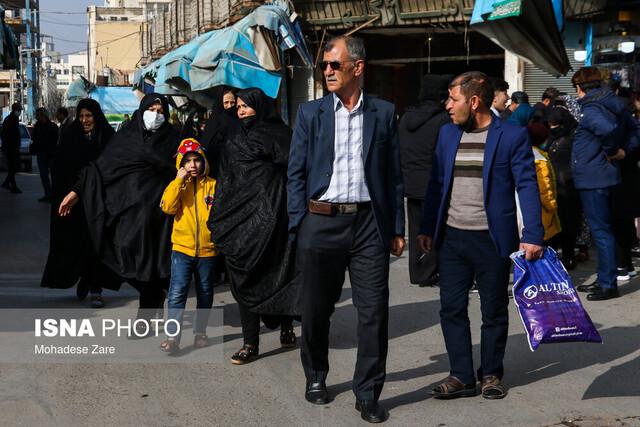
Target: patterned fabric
(347,183)
(466,206)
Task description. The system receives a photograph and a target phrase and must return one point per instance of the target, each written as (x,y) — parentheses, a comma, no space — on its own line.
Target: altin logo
(562,288)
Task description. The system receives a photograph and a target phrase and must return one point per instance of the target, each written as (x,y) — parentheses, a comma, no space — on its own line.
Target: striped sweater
(466,205)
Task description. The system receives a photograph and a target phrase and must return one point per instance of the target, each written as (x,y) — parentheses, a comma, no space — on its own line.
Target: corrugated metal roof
(536,80)
(343,14)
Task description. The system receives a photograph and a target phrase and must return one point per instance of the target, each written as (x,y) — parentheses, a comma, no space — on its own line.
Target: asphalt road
(577,384)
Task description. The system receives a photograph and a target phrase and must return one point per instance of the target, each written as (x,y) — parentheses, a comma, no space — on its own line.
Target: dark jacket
(418,132)
(626,196)
(508,167)
(311,162)
(10,133)
(45,138)
(600,133)
(559,147)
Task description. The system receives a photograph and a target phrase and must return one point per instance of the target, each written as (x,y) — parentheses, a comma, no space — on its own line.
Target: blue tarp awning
(115,100)
(112,99)
(247,54)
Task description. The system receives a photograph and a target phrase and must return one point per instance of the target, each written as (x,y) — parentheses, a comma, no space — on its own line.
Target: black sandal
(247,354)
(452,388)
(492,387)
(287,337)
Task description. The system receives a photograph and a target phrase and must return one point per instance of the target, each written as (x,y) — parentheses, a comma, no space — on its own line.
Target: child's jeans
(183,267)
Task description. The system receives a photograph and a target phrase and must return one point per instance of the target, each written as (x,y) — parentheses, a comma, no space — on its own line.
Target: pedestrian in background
(45,140)
(72,257)
(560,142)
(470,218)
(63,119)
(418,132)
(538,134)
(597,150)
(11,146)
(521,110)
(500,96)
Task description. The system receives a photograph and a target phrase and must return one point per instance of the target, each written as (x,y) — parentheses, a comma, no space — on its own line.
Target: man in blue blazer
(470,218)
(346,209)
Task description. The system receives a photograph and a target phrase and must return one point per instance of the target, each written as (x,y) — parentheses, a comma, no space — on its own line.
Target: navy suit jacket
(508,166)
(312,154)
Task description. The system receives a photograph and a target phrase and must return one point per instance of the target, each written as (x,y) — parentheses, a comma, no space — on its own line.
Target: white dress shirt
(347,183)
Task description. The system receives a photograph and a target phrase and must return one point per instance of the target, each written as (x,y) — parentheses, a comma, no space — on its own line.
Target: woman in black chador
(120,192)
(71,254)
(248,222)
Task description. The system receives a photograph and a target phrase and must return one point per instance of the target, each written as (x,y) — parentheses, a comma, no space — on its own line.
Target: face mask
(17,113)
(469,125)
(152,120)
(247,122)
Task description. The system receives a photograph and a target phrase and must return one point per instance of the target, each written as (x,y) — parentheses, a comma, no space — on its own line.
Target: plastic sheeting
(112,99)
(247,54)
(115,100)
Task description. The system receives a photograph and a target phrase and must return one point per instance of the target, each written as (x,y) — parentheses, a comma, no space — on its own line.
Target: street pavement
(575,384)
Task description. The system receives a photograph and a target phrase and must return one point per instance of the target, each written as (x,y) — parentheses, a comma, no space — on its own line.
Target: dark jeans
(422,267)
(183,268)
(251,325)
(13,165)
(463,256)
(44,170)
(327,247)
(596,205)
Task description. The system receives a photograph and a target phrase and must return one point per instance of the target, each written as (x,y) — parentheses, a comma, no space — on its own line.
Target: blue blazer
(508,167)
(312,154)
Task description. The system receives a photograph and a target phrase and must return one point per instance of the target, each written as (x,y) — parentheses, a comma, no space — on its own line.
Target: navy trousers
(466,255)
(328,246)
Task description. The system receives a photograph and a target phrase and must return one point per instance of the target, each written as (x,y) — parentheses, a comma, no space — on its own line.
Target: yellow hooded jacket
(547,187)
(190,201)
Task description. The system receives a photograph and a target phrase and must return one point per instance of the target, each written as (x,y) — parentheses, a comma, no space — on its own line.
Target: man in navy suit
(470,218)
(345,204)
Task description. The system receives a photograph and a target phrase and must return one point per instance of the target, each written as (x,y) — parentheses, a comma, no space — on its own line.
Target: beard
(470,123)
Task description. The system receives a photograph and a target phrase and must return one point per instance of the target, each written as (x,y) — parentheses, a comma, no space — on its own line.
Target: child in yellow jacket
(189,198)
(546,181)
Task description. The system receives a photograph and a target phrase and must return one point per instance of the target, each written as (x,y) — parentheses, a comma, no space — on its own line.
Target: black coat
(121,192)
(45,138)
(10,133)
(626,196)
(248,220)
(559,149)
(418,132)
(71,254)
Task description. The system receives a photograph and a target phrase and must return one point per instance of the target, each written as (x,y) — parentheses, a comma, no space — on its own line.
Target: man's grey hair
(355,46)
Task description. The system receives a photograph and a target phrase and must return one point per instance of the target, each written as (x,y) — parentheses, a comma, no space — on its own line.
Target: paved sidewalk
(558,385)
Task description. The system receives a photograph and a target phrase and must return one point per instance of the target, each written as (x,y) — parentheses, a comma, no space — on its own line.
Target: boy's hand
(182,173)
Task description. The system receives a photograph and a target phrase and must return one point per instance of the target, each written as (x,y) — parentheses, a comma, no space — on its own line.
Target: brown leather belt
(331,209)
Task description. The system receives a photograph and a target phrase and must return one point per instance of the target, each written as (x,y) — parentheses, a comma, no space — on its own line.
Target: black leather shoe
(588,288)
(371,411)
(603,294)
(317,393)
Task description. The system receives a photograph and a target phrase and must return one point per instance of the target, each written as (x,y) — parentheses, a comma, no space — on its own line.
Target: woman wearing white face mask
(121,194)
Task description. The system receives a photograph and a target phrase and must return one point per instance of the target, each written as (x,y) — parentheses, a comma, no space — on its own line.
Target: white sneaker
(623,275)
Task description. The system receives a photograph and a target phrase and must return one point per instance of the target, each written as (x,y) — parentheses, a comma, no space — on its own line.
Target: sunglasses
(335,65)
